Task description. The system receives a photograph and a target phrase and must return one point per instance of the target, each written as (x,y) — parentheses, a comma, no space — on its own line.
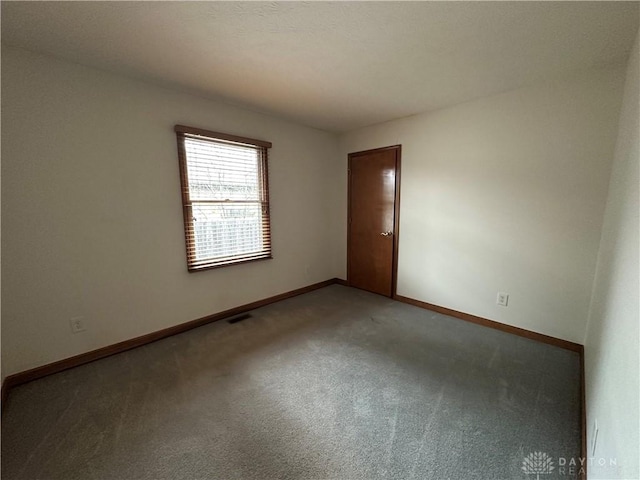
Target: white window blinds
(225,198)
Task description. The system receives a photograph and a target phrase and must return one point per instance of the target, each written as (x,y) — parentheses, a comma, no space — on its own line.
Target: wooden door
(372,245)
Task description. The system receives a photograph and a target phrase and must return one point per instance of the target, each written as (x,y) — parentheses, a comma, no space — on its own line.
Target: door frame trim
(396,213)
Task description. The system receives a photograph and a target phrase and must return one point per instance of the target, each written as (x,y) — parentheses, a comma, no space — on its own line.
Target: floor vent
(239,318)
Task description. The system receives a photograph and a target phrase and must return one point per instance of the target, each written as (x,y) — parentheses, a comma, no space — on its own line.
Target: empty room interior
(320,240)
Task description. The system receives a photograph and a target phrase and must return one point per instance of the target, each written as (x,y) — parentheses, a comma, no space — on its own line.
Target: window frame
(183,132)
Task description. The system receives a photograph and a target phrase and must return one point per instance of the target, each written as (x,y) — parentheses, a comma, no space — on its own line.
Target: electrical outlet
(77,324)
(594,442)
(503,299)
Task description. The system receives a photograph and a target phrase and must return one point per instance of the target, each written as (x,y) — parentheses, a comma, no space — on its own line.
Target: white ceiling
(331,65)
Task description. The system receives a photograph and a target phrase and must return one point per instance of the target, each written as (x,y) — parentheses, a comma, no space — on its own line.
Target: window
(225,198)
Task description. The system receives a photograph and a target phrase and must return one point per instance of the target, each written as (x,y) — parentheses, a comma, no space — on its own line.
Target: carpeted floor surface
(337,383)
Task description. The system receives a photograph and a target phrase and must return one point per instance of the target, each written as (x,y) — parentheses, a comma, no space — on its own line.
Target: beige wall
(506,194)
(92,215)
(611,344)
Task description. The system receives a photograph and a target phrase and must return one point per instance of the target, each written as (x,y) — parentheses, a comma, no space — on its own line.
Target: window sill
(201,268)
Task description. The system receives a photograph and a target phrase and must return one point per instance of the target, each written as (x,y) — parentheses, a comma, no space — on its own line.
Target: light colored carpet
(337,383)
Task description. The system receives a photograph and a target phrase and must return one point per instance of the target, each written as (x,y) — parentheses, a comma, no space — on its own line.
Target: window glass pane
(226,230)
(219,171)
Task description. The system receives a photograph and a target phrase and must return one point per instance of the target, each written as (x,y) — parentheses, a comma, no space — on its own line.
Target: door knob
(386,234)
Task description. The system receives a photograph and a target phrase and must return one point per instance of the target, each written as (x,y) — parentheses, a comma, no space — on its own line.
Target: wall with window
(506,194)
(92,213)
